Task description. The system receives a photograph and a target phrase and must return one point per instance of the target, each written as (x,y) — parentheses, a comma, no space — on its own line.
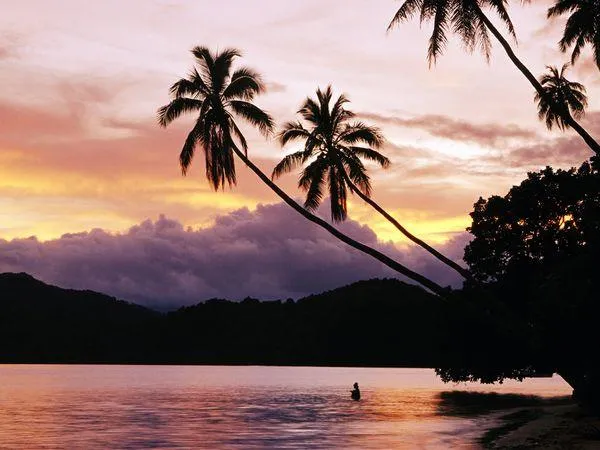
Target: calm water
(237,407)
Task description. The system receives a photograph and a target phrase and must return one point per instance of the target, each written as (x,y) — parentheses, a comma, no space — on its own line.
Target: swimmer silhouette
(355,393)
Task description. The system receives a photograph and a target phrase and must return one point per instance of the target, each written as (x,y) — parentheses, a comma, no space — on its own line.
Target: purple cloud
(457,130)
(268,253)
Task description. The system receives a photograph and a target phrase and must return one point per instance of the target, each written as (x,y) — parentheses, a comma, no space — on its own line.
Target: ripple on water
(232,407)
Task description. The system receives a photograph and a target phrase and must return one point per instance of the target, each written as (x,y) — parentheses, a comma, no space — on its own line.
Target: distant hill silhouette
(371,323)
(43,323)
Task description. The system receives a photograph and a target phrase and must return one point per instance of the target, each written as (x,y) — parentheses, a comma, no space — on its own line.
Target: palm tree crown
(335,145)
(464,17)
(562,98)
(217,95)
(582,27)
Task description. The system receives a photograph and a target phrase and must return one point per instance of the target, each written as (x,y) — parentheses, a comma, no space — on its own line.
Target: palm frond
(581,27)
(561,98)
(254,115)
(596,46)
(222,68)
(357,173)
(201,80)
(220,165)
(206,61)
(210,91)
(310,111)
(371,155)
(483,38)
(464,21)
(244,84)
(339,114)
(324,98)
(292,131)
(500,7)
(186,87)
(311,181)
(360,132)
(187,152)
(176,108)
(577,48)
(561,7)
(464,17)
(437,42)
(408,9)
(288,163)
(330,138)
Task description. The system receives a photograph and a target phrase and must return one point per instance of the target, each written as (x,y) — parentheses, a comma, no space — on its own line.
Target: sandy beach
(555,426)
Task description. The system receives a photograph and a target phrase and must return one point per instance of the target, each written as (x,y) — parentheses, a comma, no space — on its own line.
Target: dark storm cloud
(268,253)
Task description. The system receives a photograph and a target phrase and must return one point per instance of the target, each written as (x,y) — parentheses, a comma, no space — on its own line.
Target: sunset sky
(91,194)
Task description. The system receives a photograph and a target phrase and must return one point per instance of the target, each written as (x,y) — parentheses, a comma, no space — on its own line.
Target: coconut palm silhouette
(563,98)
(335,146)
(468,21)
(582,26)
(218,96)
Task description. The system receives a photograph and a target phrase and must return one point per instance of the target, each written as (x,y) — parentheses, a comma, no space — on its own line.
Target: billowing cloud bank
(268,253)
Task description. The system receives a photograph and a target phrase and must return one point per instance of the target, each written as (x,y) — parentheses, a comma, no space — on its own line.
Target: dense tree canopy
(535,253)
(550,217)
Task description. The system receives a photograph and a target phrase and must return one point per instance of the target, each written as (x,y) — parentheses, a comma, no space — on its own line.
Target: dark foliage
(42,323)
(369,323)
(218,95)
(581,28)
(562,99)
(335,148)
(536,251)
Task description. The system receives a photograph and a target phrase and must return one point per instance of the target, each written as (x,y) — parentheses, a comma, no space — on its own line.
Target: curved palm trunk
(426,282)
(589,140)
(462,271)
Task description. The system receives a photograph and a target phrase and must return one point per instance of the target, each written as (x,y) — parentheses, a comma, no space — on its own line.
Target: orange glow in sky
(80,149)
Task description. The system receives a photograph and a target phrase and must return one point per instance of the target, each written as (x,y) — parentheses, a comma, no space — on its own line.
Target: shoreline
(558,425)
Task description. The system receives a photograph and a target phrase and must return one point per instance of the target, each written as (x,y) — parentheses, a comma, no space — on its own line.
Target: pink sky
(81,82)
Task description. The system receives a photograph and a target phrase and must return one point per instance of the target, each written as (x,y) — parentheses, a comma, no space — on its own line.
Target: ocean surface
(212,407)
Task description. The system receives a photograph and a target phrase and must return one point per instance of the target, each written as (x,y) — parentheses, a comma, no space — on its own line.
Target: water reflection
(465,404)
(234,407)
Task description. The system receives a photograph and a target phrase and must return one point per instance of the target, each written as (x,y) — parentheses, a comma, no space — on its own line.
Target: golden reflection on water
(232,407)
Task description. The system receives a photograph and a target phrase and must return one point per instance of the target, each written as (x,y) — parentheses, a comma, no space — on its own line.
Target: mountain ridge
(368,322)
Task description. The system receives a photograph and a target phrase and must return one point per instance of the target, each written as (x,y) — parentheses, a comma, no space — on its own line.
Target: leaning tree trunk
(589,140)
(462,271)
(426,282)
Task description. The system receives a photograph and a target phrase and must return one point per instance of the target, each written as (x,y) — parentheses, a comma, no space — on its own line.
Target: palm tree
(219,96)
(334,142)
(581,28)
(466,18)
(563,98)
(335,146)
